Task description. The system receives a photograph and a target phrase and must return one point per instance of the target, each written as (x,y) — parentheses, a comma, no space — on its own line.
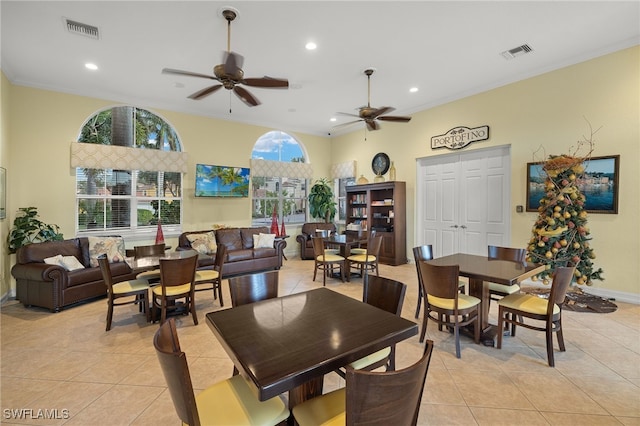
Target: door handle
(453,226)
(463,227)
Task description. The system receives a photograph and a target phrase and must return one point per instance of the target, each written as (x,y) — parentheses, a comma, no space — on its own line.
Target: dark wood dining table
(142,264)
(480,270)
(345,242)
(288,344)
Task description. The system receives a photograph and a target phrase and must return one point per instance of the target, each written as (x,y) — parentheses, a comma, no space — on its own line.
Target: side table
(283,238)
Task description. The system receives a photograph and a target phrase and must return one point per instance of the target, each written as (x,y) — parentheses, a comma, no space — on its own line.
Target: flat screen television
(221,181)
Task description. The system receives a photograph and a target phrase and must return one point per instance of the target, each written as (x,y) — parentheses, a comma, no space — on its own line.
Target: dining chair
(326,233)
(519,255)
(450,307)
(371,398)
(139,289)
(213,275)
(363,247)
(230,402)
(253,287)
(325,261)
(512,309)
(368,261)
(177,278)
(424,253)
(152,276)
(388,295)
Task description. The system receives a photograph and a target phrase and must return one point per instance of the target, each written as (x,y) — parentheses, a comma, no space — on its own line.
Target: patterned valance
(268,168)
(344,170)
(96,156)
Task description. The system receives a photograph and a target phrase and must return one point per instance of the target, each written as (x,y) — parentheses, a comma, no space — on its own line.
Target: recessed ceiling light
(310,46)
(333,119)
(413,90)
(91,66)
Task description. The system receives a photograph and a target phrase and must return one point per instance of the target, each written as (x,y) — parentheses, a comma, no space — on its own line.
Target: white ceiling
(448,49)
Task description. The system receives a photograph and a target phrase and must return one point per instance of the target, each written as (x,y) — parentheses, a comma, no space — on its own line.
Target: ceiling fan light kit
(229,74)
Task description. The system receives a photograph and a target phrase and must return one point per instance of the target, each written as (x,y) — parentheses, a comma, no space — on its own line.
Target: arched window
(129,169)
(279,179)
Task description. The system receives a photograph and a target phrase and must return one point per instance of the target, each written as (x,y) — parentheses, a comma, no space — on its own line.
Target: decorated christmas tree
(560,235)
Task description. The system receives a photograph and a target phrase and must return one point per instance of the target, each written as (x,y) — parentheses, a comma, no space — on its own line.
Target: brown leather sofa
(308,230)
(242,257)
(52,286)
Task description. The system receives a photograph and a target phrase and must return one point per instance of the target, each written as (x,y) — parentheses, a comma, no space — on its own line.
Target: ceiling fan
(371,115)
(230,74)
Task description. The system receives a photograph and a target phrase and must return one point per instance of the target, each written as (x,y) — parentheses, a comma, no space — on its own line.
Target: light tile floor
(67,364)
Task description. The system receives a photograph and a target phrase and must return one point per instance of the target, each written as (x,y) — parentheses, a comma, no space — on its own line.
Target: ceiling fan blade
(372,125)
(204,92)
(232,62)
(348,114)
(382,111)
(187,73)
(245,96)
(395,118)
(268,82)
(346,124)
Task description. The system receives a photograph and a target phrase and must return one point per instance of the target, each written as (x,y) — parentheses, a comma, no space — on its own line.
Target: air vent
(517,51)
(79,28)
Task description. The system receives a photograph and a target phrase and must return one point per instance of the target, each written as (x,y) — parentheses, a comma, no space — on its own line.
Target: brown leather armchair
(309,230)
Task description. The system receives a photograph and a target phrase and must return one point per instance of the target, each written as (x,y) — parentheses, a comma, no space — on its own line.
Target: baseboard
(613,295)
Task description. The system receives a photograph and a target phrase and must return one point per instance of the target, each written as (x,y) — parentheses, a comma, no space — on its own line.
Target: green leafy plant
(28,229)
(322,204)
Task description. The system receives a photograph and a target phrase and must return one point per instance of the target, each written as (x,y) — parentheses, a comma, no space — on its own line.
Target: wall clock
(380,163)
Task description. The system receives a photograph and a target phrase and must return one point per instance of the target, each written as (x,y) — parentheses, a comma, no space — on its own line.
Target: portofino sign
(459,137)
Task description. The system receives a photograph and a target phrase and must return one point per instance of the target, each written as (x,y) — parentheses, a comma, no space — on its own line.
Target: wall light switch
(519,209)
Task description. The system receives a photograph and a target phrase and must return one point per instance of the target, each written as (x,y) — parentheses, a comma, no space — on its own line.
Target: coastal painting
(221,181)
(599,184)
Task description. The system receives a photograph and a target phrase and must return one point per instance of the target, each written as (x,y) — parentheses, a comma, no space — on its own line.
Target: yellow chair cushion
(464,302)
(371,359)
(355,251)
(233,402)
(362,258)
(207,275)
(325,410)
(504,289)
(149,275)
(173,290)
(129,286)
(328,257)
(527,303)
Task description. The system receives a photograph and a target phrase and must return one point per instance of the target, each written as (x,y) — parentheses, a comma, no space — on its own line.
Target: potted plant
(322,204)
(27,229)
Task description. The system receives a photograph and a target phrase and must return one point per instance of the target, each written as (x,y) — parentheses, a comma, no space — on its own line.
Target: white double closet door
(463,201)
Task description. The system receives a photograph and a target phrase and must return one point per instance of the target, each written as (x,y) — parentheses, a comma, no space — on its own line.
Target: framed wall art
(221,181)
(599,184)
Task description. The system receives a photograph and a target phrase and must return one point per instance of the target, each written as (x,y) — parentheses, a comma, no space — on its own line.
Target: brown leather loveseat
(53,286)
(242,257)
(308,230)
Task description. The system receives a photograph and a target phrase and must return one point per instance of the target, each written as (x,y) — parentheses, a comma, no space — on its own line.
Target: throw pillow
(53,260)
(70,263)
(203,243)
(263,240)
(113,247)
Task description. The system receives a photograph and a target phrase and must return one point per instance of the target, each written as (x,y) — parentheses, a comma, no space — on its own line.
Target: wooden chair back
(440,281)
(253,288)
(562,277)
(384,293)
(176,372)
(373,245)
(221,254)
(105,268)
(179,271)
(387,398)
(507,253)
(421,254)
(318,247)
(148,251)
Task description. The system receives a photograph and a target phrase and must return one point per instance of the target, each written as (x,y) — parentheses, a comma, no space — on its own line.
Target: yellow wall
(548,112)
(5,265)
